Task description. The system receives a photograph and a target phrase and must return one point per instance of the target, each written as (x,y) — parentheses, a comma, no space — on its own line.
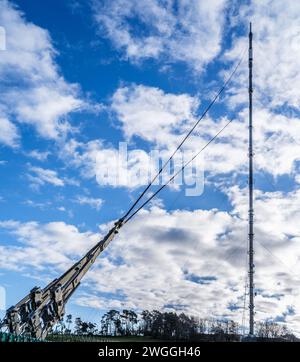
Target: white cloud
(2,38)
(157,117)
(106,164)
(45,108)
(277,142)
(41,245)
(43,98)
(185,30)
(152,114)
(39,155)
(109,167)
(9,134)
(163,259)
(164,119)
(43,176)
(95,203)
(275,45)
(39,176)
(162,253)
(40,205)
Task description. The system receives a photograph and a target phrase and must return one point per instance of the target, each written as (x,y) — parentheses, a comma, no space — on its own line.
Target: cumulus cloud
(165,255)
(40,246)
(276,43)
(164,119)
(43,176)
(110,166)
(152,114)
(9,134)
(45,108)
(188,31)
(90,201)
(38,155)
(277,142)
(39,176)
(43,98)
(172,260)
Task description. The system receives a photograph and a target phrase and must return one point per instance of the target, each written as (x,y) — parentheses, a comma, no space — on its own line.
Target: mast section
(251,209)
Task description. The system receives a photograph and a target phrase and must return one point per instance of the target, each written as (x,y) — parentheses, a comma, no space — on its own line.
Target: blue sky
(78,77)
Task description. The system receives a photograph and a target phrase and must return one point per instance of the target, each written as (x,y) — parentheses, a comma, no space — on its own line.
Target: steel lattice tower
(251,210)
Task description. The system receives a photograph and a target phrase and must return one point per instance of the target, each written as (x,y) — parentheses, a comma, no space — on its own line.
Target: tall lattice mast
(251,210)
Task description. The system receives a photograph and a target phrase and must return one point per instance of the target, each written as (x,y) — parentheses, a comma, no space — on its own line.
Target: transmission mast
(251,210)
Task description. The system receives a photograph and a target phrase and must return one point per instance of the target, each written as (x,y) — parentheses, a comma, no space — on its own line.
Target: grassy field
(75,338)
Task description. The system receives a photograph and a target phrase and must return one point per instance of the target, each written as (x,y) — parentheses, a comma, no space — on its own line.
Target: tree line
(166,326)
